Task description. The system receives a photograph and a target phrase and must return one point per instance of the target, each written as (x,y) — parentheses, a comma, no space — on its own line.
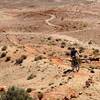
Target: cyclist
(75,59)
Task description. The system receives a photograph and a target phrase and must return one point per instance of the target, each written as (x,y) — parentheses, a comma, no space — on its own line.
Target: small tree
(15,93)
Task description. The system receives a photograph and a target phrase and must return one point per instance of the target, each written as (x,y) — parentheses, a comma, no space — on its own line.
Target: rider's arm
(77,53)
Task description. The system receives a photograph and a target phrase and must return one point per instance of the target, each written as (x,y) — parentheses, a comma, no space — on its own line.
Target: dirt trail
(69,38)
(47,21)
(94,45)
(74,40)
(52,17)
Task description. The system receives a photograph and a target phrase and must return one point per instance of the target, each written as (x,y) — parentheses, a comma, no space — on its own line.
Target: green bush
(15,93)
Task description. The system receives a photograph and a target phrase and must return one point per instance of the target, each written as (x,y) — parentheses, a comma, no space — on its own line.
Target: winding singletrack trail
(69,38)
(52,17)
(47,21)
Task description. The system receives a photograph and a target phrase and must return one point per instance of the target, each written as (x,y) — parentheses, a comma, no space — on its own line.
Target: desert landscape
(36,37)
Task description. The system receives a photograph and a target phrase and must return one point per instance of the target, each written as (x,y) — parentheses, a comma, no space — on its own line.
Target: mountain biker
(74,53)
(75,59)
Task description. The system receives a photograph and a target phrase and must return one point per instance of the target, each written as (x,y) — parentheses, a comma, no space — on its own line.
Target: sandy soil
(35,47)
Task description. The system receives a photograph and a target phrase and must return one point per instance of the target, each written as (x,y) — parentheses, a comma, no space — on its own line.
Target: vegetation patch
(14,93)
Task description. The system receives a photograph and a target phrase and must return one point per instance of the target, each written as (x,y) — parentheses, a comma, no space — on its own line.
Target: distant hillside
(34,3)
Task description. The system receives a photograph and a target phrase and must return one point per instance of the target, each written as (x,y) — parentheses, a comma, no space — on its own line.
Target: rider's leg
(78,67)
(73,69)
(72,65)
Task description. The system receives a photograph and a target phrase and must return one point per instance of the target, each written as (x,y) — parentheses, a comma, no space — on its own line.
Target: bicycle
(75,64)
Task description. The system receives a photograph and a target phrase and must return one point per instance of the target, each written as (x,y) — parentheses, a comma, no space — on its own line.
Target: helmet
(73,48)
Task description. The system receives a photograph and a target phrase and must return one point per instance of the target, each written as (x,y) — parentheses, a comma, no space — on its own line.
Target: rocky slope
(35,44)
(43,63)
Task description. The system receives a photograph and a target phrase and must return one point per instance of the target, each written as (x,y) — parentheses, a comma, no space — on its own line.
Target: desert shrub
(91,69)
(90,42)
(44,52)
(60,84)
(69,48)
(67,53)
(58,40)
(40,95)
(84,25)
(52,53)
(75,44)
(14,93)
(88,82)
(85,56)
(80,56)
(8,59)
(21,59)
(66,98)
(63,44)
(23,56)
(31,76)
(49,38)
(29,90)
(51,83)
(51,43)
(4,48)
(81,50)
(94,58)
(3,54)
(40,57)
(95,51)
